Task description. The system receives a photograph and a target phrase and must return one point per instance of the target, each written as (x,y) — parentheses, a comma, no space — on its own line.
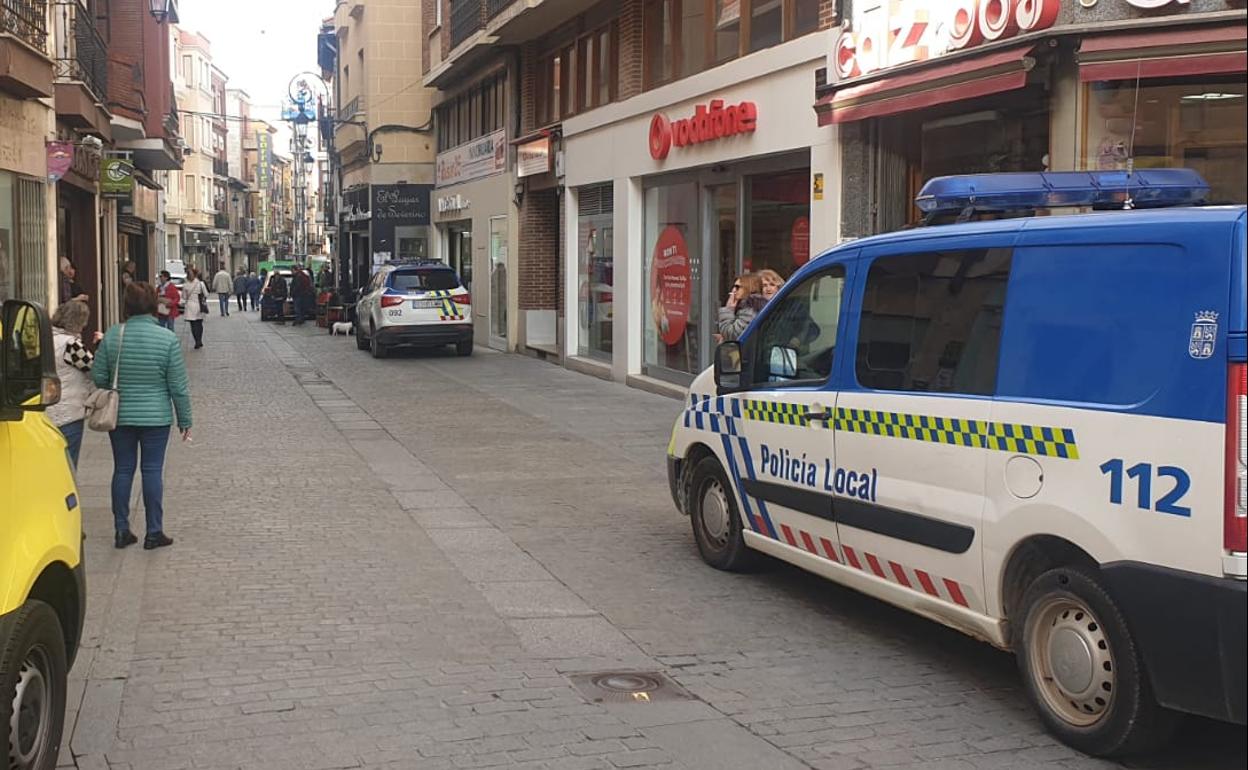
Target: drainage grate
(628,687)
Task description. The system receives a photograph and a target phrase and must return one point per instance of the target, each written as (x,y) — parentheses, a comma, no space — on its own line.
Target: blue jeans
(255,300)
(72,431)
(165,321)
(224,299)
(129,442)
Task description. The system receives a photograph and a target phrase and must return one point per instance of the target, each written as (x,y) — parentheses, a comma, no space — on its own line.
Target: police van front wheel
(33,687)
(1082,669)
(716,520)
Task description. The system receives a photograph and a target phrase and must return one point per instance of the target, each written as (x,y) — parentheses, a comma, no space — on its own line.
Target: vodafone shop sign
(707,124)
(903,31)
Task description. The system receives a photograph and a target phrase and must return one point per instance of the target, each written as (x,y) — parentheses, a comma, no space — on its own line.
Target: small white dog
(344,328)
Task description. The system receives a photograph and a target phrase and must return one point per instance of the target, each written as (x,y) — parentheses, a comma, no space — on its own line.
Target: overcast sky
(259,44)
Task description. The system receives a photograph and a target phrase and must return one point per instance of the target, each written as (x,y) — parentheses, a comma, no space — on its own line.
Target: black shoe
(123,539)
(159,540)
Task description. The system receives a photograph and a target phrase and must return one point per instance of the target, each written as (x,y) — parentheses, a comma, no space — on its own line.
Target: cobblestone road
(400,563)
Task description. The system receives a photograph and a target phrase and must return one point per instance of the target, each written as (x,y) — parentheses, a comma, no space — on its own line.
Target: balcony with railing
(80,51)
(467,16)
(352,108)
(25,71)
(221,167)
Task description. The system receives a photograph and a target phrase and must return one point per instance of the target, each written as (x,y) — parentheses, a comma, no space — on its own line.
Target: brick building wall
(631,48)
(538,260)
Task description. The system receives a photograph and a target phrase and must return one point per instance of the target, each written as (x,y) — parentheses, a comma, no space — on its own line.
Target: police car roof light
(1148,188)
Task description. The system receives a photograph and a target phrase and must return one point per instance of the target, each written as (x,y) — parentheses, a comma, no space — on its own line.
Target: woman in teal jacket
(152,383)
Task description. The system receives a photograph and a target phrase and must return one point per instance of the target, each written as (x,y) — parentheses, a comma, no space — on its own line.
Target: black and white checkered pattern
(77,356)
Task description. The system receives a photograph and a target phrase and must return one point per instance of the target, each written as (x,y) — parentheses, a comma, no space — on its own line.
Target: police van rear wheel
(716,521)
(361,342)
(1082,669)
(378,350)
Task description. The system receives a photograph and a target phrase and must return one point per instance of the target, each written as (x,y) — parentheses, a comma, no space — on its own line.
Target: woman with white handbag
(141,374)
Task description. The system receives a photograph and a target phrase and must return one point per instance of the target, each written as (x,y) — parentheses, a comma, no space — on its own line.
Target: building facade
(383,144)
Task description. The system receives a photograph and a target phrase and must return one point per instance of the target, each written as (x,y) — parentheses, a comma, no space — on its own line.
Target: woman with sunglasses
(744,301)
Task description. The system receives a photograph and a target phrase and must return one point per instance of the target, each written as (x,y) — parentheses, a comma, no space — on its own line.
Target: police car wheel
(716,521)
(1082,670)
(361,342)
(33,673)
(376,348)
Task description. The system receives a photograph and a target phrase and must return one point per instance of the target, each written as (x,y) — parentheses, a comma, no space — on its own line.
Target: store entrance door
(498,283)
(459,251)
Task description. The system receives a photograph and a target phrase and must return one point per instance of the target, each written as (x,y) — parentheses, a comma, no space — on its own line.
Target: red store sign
(706,125)
(905,31)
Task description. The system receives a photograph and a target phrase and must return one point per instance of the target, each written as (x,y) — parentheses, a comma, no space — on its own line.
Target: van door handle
(824,416)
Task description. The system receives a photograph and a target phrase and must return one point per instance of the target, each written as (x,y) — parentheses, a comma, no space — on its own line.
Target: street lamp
(160,9)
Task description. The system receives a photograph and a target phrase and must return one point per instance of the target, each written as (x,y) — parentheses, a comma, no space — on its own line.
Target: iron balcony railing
(495,7)
(466,18)
(81,53)
(220,167)
(27,20)
(353,108)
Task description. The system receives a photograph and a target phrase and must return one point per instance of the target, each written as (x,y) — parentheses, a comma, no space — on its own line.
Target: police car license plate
(417,304)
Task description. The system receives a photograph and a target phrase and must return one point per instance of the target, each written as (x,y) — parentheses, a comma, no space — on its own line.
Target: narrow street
(404,563)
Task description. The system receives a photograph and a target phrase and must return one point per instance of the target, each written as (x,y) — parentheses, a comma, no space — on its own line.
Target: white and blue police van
(1027,427)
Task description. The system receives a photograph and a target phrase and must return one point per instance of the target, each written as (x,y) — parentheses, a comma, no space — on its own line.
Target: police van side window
(796,339)
(931,323)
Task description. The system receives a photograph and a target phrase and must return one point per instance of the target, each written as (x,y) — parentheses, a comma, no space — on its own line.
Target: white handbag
(103,403)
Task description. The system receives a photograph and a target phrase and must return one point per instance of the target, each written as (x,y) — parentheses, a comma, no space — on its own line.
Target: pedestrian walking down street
(73,367)
(254,284)
(277,296)
(303,295)
(240,290)
(196,306)
(167,298)
(223,284)
(152,383)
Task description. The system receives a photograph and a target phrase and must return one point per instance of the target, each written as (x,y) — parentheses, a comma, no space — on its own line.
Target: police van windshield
(424,280)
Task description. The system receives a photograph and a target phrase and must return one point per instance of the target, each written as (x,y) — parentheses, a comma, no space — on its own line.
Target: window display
(673,337)
(1196,123)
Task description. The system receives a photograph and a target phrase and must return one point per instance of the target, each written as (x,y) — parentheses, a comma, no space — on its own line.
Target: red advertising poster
(60,159)
(670,285)
(799,241)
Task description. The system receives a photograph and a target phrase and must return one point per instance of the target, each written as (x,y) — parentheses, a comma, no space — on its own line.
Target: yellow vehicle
(42,591)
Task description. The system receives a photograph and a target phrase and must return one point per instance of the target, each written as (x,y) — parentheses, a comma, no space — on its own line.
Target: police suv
(1028,428)
(417,303)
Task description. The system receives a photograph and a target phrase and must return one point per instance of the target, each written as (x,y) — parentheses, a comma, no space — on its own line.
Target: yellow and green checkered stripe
(449,310)
(981,434)
(774,412)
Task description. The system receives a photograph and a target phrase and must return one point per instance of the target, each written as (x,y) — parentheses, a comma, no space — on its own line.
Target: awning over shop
(1204,50)
(927,86)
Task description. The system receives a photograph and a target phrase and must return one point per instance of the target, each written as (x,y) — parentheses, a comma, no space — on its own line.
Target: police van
(1028,428)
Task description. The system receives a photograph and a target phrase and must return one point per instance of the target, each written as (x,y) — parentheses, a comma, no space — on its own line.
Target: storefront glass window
(498,277)
(777,220)
(412,242)
(1197,123)
(459,251)
(596,269)
(8,257)
(672,317)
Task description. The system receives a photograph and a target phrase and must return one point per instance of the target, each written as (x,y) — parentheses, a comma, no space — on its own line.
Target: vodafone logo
(708,123)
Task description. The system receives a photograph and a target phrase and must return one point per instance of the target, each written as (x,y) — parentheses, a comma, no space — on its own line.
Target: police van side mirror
(729,376)
(28,381)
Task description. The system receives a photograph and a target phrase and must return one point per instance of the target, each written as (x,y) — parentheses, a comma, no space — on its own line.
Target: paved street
(401,563)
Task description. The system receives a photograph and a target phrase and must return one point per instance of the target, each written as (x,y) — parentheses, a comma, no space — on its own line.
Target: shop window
(931,323)
(672,318)
(796,340)
(1197,123)
(23,239)
(596,269)
(777,222)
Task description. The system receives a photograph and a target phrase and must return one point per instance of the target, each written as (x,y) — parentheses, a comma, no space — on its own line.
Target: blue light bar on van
(1149,188)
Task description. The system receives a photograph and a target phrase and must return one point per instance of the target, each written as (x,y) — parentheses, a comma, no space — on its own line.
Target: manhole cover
(628,687)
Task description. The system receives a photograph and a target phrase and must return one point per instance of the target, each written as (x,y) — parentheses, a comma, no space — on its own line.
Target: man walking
(240,290)
(254,284)
(223,284)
